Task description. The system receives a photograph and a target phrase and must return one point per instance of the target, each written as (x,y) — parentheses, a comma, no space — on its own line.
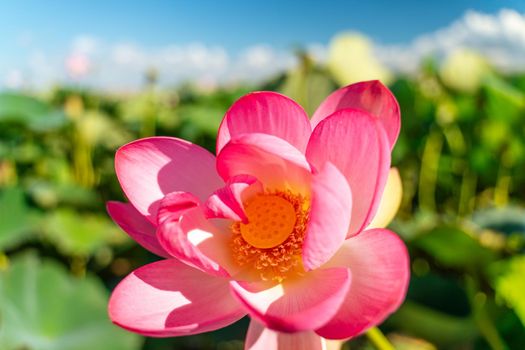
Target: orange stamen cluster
(271,241)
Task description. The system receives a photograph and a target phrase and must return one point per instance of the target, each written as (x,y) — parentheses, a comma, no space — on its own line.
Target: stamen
(272,250)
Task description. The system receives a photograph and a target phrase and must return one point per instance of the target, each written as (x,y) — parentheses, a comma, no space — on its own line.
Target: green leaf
(43,308)
(495,133)
(504,101)
(29,111)
(453,247)
(16,221)
(206,118)
(509,284)
(81,234)
(49,194)
(435,326)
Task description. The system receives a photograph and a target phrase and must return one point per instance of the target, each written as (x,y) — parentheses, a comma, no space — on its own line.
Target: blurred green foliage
(461,156)
(44,308)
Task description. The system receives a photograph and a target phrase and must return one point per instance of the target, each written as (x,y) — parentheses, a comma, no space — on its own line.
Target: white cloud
(259,62)
(500,38)
(42,69)
(85,44)
(122,65)
(127,54)
(14,79)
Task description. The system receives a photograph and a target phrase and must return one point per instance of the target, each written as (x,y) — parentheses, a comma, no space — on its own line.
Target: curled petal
(329,216)
(273,161)
(193,239)
(227,202)
(370,96)
(267,113)
(356,144)
(150,168)
(261,338)
(168,298)
(136,226)
(300,304)
(174,205)
(380,269)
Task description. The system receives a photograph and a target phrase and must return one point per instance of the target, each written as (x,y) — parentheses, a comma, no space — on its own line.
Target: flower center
(271,219)
(271,242)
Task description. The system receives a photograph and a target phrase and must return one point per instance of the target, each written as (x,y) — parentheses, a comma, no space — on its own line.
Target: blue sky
(232,24)
(37,34)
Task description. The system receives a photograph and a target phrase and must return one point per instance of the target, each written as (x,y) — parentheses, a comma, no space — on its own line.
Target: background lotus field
(461,156)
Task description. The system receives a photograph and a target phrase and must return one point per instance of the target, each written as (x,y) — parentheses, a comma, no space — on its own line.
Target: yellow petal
(334,344)
(390,201)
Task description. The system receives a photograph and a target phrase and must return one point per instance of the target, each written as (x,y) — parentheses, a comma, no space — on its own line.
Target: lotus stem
(429,171)
(378,339)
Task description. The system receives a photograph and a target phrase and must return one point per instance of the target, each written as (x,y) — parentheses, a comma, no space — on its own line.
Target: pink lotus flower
(276,226)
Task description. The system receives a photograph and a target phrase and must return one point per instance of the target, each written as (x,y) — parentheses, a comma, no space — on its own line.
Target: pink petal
(194,240)
(273,161)
(262,338)
(150,168)
(227,202)
(168,298)
(298,304)
(380,269)
(329,216)
(267,113)
(136,226)
(357,145)
(370,96)
(174,205)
